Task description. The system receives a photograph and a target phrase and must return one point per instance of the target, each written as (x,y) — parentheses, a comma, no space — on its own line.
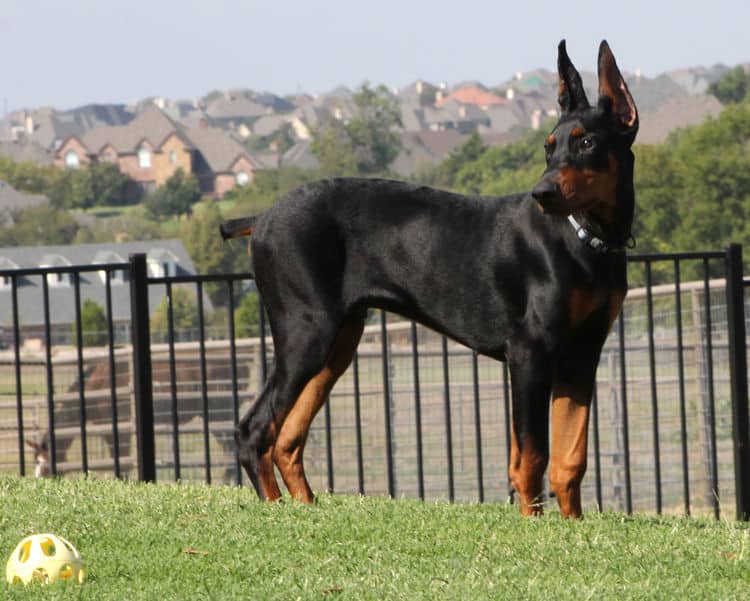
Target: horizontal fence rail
(158,396)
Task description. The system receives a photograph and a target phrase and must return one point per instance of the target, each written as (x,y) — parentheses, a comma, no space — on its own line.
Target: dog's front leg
(571,402)
(529,365)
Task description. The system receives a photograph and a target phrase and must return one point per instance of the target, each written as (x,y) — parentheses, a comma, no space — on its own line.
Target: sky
(73,52)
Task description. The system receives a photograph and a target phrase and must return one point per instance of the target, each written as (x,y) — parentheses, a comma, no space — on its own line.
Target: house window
(172,157)
(71,160)
(144,158)
(5,281)
(58,279)
(108,157)
(242,178)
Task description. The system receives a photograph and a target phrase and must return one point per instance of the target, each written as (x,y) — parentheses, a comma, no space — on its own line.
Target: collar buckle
(590,240)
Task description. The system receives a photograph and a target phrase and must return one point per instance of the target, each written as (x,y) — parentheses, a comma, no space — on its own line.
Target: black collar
(592,241)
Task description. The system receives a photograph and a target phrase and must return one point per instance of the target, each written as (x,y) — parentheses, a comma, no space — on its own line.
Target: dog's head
(589,163)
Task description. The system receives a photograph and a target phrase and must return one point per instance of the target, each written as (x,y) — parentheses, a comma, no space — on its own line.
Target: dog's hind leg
(311,351)
(255,436)
(290,444)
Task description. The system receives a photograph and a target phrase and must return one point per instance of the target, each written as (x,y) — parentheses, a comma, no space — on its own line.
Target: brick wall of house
(223,182)
(71,144)
(172,155)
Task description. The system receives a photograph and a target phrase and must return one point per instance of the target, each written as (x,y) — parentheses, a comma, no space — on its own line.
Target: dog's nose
(545,190)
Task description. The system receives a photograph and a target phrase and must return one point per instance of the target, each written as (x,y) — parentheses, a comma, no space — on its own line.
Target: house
(148,150)
(452,114)
(164,257)
(423,150)
(26,151)
(220,162)
(152,147)
(48,127)
(473,95)
(656,125)
(11,200)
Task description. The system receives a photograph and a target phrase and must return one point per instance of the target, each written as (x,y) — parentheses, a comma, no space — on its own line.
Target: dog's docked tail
(236,228)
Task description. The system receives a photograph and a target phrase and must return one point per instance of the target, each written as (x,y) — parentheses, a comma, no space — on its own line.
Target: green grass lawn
(196,542)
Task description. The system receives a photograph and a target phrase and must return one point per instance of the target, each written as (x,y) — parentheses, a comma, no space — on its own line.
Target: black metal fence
(415,415)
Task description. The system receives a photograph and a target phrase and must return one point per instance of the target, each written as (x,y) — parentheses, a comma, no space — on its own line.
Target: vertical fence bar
(506,409)
(262,323)
(81,379)
(738,377)
(625,427)
(448,420)
(417,409)
(387,408)
(358,427)
(708,337)
(173,384)
(681,385)
(235,389)
(204,384)
(17,365)
(142,383)
(50,381)
(329,443)
(477,424)
(112,372)
(597,451)
(652,374)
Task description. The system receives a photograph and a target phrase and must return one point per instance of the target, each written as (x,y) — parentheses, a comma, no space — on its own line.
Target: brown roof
(219,149)
(472,95)
(151,125)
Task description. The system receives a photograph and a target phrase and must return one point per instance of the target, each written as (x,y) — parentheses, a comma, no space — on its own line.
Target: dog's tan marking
(526,472)
(266,478)
(577,132)
(570,418)
(290,444)
(595,191)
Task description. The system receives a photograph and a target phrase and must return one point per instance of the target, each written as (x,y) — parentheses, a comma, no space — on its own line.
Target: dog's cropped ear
(614,94)
(570,92)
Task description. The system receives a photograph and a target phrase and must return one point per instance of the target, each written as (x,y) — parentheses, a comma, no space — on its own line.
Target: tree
(108,184)
(93,324)
(266,188)
(38,226)
(505,169)
(26,176)
(211,254)
(176,196)
(184,315)
(247,316)
(446,172)
(279,141)
(732,87)
(97,184)
(368,143)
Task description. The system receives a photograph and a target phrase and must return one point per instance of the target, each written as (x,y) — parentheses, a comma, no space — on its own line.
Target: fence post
(738,378)
(141,339)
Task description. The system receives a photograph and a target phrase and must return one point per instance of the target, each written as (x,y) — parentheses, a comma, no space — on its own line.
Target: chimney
(29,122)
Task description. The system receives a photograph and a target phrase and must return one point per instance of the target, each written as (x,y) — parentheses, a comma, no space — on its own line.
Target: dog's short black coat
(511,277)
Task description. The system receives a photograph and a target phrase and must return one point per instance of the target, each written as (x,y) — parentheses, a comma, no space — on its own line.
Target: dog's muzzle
(547,193)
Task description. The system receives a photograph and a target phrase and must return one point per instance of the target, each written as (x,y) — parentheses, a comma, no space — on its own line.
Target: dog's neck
(614,225)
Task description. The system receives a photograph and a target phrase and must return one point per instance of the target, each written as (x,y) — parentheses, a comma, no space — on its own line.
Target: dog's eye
(587,143)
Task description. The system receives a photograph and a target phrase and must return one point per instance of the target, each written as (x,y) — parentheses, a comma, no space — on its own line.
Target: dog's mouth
(553,201)
(549,196)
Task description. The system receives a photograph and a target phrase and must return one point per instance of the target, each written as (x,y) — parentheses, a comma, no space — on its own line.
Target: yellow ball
(44,558)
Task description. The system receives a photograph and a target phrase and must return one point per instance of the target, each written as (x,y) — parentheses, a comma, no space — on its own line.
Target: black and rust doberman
(534,279)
